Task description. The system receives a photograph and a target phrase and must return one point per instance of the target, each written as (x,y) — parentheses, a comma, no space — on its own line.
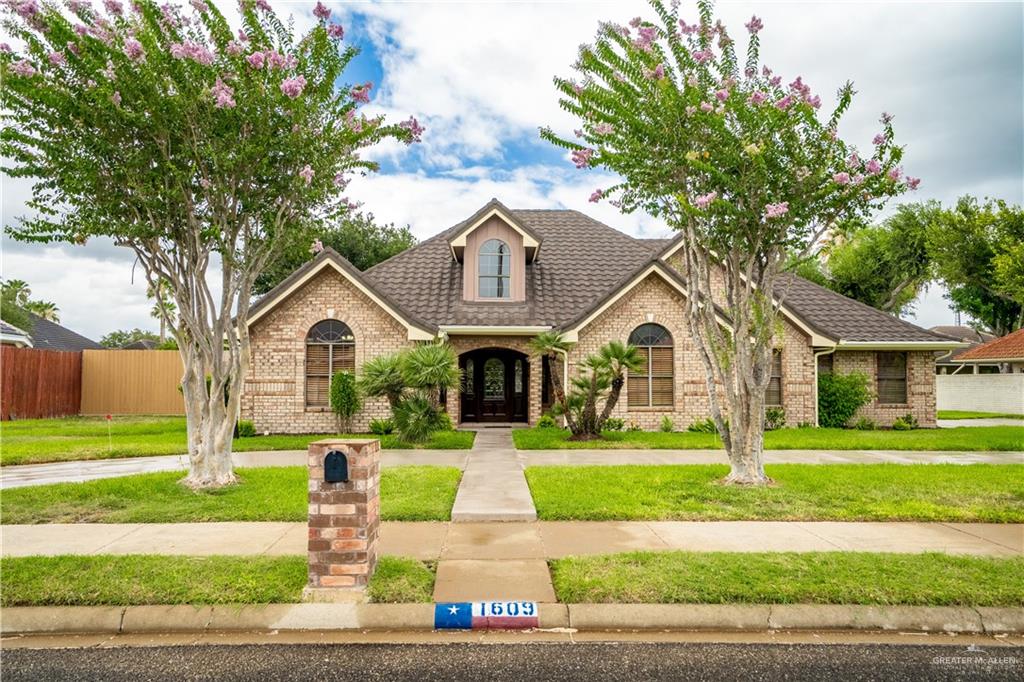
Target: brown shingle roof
(1009,347)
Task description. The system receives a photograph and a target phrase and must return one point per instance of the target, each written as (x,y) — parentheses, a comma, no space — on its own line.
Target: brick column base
(344,521)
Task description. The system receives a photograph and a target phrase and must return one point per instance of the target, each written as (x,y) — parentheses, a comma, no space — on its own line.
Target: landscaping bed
(803,492)
(789,578)
(410,493)
(33,441)
(107,580)
(1004,438)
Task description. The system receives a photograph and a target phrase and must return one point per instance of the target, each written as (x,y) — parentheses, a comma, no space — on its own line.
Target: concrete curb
(595,617)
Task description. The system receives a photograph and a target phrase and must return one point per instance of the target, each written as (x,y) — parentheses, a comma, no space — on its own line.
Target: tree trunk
(618,381)
(746,442)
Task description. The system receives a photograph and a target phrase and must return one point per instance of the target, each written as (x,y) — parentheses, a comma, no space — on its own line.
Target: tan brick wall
(274,397)
(920,386)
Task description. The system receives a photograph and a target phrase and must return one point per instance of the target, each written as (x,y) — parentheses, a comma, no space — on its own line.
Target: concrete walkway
(985,421)
(486,561)
(89,470)
(493,486)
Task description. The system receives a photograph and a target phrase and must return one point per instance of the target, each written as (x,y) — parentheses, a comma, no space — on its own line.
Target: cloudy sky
(478,74)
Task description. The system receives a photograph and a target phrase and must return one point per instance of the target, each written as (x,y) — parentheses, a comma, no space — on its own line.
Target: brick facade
(920,386)
(464,344)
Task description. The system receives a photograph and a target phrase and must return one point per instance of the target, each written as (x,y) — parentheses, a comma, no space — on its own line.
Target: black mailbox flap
(335,467)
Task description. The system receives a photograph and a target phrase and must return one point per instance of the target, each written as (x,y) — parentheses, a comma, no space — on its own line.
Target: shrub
(667,425)
(774,418)
(864,424)
(633,427)
(416,419)
(907,422)
(703,426)
(382,427)
(345,401)
(548,422)
(840,396)
(911,421)
(246,429)
(444,422)
(614,424)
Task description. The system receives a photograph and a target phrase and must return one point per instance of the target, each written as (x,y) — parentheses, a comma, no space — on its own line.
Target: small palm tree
(382,378)
(552,345)
(431,368)
(619,358)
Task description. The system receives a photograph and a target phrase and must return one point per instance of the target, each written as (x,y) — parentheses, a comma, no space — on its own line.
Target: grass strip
(129,580)
(968,414)
(411,493)
(789,578)
(802,492)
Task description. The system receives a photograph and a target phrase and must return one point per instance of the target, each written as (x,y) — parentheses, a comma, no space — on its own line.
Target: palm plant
(47,310)
(382,378)
(431,368)
(551,345)
(619,358)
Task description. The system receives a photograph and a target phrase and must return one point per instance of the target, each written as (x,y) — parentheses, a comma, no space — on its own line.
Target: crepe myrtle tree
(192,144)
(743,166)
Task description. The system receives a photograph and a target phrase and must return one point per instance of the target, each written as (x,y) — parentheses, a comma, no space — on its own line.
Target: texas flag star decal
(494,615)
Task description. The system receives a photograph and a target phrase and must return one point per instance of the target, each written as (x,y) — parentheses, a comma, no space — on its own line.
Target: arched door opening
(495,385)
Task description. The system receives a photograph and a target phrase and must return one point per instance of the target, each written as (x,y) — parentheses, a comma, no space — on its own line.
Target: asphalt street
(630,662)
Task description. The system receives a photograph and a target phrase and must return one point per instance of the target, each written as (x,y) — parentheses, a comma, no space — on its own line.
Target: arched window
(330,348)
(651,386)
(495,275)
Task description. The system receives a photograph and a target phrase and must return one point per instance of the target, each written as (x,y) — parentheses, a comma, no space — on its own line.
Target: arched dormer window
(495,271)
(330,348)
(651,386)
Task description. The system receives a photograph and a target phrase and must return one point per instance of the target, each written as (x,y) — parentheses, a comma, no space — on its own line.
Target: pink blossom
(170,15)
(775,81)
(776,210)
(109,71)
(798,87)
(72,48)
(116,98)
(321,12)
(581,157)
(707,106)
(23,68)
(873,167)
(114,7)
(339,181)
(814,101)
(234,48)
(596,196)
(833,134)
(688,29)
(912,183)
(306,174)
(879,139)
(784,103)
(178,51)
(765,71)
(6,49)
(199,5)
(722,95)
(754,25)
(57,58)
(275,60)
(750,72)
(133,49)
(223,94)
(317,246)
(842,178)
(26,9)
(292,87)
(636,22)
(704,200)
(655,74)
(414,127)
(857,179)
(604,128)
(853,162)
(255,60)
(577,132)
(354,124)
(692,80)
(895,173)
(702,56)
(81,29)
(887,118)
(263,5)
(361,93)
(336,31)
(757,97)
(78,5)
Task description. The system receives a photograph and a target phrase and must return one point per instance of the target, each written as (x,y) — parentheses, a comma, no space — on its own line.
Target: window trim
(331,369)
(504,276)
(905,378)
(648,376)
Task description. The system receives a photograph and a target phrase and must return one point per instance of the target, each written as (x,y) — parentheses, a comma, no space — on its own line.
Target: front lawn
(1008,438)
(960,414)
(31,441)
(803,492)
(789,578)
(410,493)
(106,580)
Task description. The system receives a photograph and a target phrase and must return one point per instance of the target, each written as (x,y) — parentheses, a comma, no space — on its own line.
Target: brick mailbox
(344,517)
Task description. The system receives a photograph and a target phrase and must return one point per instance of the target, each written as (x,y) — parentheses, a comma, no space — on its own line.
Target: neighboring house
(48,335)
(492,282)
(13,336)
(947,362)
(1006,351)
(141,344)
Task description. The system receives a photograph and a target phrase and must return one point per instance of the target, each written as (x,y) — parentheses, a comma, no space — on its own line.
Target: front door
(494,386)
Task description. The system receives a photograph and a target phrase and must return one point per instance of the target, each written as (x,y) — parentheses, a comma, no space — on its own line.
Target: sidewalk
(493,486)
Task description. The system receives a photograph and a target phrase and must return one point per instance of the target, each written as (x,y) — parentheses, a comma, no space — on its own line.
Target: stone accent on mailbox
(344,521)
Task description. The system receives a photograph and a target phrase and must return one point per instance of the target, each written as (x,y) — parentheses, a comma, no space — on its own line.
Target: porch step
(493,486)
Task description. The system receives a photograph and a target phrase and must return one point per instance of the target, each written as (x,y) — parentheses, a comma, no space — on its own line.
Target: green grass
(790,578)
(803,492)
(1007,438)
(32,441)
(149,579)
(962,414)
(414,493)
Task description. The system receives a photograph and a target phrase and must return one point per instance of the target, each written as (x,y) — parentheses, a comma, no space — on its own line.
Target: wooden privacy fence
(131,382)
(37,383)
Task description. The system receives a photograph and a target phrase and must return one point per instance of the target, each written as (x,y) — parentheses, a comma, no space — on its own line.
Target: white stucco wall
(981,392)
